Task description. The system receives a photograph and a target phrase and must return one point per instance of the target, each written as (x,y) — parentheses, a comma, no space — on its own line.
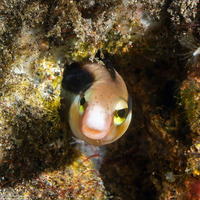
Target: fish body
(96,101)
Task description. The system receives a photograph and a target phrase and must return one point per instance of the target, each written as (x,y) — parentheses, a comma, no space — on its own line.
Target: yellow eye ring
(120,116)
(82,104)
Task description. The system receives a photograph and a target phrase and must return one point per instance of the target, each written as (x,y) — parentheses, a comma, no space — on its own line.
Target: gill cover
(97,101)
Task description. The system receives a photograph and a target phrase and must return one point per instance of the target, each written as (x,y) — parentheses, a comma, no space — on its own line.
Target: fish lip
(92,133)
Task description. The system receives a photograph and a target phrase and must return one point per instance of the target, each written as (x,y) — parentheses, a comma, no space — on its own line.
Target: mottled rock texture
(154,46)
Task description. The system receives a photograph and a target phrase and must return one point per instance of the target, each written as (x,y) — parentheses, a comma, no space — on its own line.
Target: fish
(95,102)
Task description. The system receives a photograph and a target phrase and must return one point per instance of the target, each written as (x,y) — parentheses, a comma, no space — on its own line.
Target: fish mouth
(92,133)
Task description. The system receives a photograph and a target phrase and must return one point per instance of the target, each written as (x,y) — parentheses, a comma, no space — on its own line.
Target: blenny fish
(97,104)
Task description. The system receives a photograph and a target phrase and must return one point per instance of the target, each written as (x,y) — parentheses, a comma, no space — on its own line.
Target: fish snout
(96,123)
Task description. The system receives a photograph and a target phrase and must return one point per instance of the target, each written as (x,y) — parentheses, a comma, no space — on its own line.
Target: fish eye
(120,116)
(121,112)
(82,104)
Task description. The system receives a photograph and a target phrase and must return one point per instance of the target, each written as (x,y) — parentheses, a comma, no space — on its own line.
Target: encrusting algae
(79,180)
(158,157)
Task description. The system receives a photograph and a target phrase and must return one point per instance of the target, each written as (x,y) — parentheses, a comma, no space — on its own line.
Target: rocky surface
(154,46)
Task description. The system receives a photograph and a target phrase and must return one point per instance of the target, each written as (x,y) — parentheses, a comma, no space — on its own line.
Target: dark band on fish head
(110,68)
(76,79)
(108,64)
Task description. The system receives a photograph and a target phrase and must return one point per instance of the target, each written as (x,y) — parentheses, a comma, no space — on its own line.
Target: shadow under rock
(38,145)
(127,165)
